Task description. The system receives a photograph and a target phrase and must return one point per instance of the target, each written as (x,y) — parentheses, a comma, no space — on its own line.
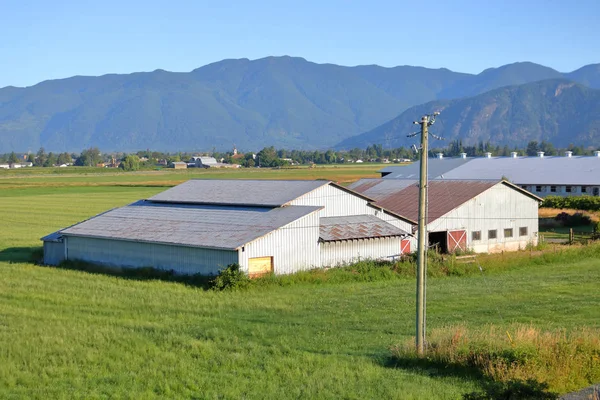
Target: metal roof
(356,227)
(53,237)
(208,160)
(554,170)
(262,193)
(402,195)
(435,168)
(220,227)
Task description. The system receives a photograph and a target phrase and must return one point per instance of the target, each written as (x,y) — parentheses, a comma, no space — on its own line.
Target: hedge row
(587,203)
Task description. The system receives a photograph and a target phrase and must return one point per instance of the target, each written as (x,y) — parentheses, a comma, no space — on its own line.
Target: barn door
(457,240)
(404,246)
(259,266)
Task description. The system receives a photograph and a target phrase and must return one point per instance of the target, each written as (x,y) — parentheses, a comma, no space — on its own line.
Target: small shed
(179,165)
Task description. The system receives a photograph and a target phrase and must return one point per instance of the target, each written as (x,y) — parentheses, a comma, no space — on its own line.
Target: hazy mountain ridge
(557,110)
(281,101)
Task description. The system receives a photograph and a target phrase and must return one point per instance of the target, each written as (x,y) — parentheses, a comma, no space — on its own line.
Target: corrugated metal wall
(183,260)
(338,202)
(346,252)
(498,208)
(294,247)
(54,253)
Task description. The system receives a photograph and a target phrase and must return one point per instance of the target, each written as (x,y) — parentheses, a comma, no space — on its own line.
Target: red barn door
(457,240)
(404,246)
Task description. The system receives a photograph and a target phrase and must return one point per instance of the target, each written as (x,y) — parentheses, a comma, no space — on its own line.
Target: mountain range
(292,103)
(558,111)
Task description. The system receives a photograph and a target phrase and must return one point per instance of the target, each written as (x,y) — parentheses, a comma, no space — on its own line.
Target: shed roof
(220,227)
(402,195)
(262,193)
(576,170)
(356,227)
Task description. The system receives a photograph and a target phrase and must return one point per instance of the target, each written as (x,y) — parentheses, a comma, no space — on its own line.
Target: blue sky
(42,40)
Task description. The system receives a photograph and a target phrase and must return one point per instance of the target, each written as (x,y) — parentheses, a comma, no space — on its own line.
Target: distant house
(566,175)
(5,166)
(21,165)
(179,165)
(201,226)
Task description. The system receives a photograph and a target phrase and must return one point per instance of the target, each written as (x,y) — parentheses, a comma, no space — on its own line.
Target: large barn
(482,216)
(566,175)
(201,226)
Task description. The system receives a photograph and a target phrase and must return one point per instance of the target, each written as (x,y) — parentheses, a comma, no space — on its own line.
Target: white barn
(201,226)
(482,216)
(566,175)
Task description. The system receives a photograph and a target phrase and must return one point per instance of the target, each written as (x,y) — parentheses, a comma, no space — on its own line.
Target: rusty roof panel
(401,196)
(356,227)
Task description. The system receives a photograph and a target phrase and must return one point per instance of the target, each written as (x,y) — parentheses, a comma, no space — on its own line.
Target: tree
(63,158)
(13,159)
(267,157)
(40,158)
(130,163)
(532,148)
(31,158)
(89,157)
(51,160)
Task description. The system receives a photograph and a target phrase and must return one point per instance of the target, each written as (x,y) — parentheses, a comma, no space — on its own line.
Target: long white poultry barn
(482,216)
(201,226)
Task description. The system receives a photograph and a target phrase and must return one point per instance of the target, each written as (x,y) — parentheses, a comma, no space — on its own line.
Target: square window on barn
(476,235)
(568,189)
(553,189)
(523,231)
(492,234)
(584,189)
(508,232)
(538,188)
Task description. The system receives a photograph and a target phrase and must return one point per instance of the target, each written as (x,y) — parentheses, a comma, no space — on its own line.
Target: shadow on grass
(34,255)
(139,274)
(31,254)
(489,388)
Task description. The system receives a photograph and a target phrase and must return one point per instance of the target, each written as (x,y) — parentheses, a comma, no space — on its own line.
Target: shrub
(587,203)
(230,278)
(577,219)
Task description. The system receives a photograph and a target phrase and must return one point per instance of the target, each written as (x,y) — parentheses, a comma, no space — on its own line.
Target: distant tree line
(270,157)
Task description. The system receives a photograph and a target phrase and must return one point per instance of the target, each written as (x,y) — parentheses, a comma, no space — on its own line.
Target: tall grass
(438,266)
(563,360)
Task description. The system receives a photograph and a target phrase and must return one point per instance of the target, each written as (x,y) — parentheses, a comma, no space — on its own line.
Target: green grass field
(71,334)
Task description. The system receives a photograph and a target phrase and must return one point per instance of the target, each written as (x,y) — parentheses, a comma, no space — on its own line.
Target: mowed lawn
(71,334)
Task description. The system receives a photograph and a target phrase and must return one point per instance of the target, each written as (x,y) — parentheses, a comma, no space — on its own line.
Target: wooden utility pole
(423,240)
(422,244)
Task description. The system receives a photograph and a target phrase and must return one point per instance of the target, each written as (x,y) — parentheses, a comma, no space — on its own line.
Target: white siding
(54,253)
(294,247)
(338,202)
(346,252)
(183,260)
(498,208)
